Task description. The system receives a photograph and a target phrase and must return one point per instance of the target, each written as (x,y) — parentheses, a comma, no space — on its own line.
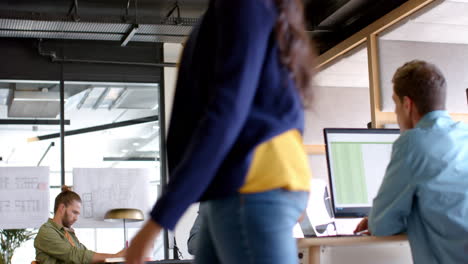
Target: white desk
(314,245)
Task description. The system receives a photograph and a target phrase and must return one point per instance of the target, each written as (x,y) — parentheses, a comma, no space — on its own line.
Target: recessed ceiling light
(124,150)
(136,144)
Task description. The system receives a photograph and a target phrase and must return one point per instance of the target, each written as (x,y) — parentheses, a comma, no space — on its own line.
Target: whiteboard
(103,189)
(24,197)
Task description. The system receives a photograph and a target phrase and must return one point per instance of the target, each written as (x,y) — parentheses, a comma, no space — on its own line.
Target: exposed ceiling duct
(27,28)
(332,21)
(95,20)
(34,104)
(328,21)
(4,95)
(24,100)
(110,97)
(344,13)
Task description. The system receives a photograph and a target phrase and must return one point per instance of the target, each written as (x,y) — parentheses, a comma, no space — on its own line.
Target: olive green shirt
(53,247)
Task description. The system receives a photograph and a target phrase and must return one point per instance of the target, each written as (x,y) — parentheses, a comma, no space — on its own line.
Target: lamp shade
(127,214)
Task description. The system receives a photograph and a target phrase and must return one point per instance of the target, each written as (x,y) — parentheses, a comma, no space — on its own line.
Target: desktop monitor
(357,160)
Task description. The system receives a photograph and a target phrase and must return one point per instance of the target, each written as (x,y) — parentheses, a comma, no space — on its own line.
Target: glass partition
(113,126)
(29,108)
(108,125)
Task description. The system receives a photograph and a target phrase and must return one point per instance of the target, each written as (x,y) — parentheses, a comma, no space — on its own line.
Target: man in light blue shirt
(425,189)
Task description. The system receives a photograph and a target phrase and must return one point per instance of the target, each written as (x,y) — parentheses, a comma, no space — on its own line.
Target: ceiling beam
(401,12)
(98,128)
(32,122)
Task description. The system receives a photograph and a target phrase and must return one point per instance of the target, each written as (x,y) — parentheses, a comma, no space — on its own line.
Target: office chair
(34,262)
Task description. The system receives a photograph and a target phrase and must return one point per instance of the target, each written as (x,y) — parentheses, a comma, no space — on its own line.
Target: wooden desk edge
(349,241)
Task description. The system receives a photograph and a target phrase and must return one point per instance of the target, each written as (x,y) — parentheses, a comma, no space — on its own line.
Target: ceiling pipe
(73,12)
(98,128)
(32,122)
(54,58)
(344,13)
(146,64)
(45,153)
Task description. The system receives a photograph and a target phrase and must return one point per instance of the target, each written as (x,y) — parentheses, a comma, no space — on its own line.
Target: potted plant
(11,239)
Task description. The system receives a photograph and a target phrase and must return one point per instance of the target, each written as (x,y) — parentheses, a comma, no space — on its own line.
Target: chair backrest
(34,262)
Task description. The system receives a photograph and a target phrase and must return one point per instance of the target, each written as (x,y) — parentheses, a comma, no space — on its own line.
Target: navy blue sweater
(232,94)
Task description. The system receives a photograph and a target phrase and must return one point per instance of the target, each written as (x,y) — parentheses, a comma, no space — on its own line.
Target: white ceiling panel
(429,32)
(4,93)
(458,1)
(447,12)
(443,22)
(3,111)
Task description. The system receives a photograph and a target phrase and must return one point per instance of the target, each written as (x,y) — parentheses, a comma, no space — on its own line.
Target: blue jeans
(250,228)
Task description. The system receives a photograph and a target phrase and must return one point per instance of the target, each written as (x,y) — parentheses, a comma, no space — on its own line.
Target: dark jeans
(251,228)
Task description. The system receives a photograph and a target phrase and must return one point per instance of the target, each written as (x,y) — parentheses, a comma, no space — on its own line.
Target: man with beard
(56,242)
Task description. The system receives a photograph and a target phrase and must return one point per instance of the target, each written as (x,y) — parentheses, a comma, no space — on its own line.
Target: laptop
(356,161)
(325,227)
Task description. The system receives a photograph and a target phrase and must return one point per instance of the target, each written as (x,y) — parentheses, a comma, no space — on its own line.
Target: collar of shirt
(60,227)
(429,118)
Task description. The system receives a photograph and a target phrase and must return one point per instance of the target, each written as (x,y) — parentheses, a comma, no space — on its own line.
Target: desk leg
(314,255)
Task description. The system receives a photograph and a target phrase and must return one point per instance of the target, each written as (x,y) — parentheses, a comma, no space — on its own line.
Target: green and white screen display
(357,160)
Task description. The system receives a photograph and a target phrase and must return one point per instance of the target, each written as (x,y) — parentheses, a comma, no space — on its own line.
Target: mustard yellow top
(279,163)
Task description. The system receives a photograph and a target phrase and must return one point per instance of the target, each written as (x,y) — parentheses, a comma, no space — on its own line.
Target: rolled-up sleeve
(51,243)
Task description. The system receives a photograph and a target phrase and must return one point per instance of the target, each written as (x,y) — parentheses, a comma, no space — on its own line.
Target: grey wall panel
(336,107)
(452,59)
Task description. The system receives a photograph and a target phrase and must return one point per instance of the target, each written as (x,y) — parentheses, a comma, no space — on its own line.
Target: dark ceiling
(328,21)
(332,21)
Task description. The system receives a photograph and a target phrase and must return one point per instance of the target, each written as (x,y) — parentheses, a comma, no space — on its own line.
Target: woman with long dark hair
(235,136)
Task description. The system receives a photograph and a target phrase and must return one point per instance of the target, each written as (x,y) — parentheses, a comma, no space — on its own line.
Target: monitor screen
(357,160)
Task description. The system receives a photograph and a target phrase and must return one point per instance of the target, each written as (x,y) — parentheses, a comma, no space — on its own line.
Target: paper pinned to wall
(24,197)
(102,189)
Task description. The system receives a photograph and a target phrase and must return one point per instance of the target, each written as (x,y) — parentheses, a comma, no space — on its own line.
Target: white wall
(452,59)
(172,52)
(336,107)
